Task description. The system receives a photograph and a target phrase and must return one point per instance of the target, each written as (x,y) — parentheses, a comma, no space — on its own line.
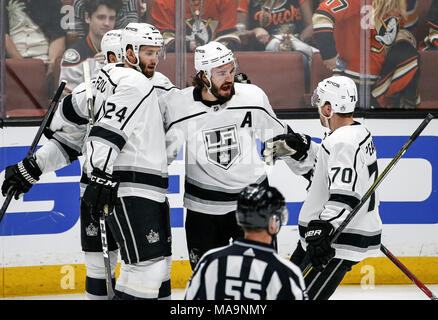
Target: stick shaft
(408,273)
(46,120)
(106,258)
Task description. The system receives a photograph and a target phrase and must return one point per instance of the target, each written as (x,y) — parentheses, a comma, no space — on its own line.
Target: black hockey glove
(241,78)
(101,194)
(293,144)
(20,177)
(318,236)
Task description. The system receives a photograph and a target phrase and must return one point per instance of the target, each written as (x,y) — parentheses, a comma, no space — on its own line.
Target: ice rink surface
(344,292)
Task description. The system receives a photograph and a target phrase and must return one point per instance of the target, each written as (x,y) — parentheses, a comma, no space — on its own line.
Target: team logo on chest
(222,146)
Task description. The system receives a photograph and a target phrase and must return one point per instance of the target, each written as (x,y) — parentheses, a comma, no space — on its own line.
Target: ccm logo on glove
(104,182)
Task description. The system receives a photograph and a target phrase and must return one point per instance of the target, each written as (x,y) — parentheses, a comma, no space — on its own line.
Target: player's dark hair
(197,81)
(90,6)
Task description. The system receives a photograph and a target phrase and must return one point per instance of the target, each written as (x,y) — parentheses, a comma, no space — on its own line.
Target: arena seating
(279,74)
(26,88)
(428,85)
(318,72)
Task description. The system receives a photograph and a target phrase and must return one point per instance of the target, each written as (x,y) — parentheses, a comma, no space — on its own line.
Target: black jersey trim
(69,112)
(109,79)
(186,118)
(142,178)
(350,201)
(213,195)
(114,138)
(164,88)
(256,108)
(71,153)
(351,239)
(136,108)
(355,158)
(325,149)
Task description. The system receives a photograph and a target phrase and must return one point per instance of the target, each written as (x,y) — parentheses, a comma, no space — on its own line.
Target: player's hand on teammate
(20,177)
(293,144)
(317,236)
(101,194)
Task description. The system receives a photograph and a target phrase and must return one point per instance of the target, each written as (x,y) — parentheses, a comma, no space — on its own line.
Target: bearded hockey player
(69,127)
(124,174)
(220,121)
(67,132)
(342,169)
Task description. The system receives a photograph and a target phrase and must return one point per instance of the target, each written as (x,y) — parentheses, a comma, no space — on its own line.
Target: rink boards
(39,236)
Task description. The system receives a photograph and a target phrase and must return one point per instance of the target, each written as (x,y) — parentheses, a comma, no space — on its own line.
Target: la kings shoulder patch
(71,56)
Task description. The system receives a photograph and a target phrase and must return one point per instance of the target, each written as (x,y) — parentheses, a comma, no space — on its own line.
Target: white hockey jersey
(127,139)
(70,126)
(221,156)
(345,168)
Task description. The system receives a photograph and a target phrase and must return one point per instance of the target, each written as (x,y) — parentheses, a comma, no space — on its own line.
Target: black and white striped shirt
(245,270)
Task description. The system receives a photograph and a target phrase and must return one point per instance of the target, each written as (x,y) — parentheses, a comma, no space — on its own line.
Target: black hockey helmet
(260,206)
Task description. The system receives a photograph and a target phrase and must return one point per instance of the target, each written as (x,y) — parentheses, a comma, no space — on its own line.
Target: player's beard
(149,73)
(223,98)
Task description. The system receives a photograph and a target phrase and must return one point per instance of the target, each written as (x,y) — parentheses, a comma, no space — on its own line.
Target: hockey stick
(374,186)
(105,251)
(36,140)
(409,274)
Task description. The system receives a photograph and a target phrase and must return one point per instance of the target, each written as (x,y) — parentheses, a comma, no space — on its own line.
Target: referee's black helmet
(258,206)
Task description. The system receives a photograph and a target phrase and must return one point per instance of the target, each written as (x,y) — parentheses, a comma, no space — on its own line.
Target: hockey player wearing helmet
(111,46)
(68,129)
(142,52)
(340,170)
(128,182)
(220,121)
(261,211)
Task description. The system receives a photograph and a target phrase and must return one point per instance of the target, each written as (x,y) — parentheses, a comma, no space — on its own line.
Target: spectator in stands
(412,15)
(129,12)
(33,30)
(100,16)
(431,40)
(392,73)
(205,21)
(275,25)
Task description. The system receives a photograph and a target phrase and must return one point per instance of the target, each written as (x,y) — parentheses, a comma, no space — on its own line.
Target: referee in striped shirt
(250,268)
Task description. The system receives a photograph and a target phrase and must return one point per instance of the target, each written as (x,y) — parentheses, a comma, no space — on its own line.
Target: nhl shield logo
(222,146)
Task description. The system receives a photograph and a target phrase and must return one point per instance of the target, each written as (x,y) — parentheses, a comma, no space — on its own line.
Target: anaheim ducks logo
(222,146)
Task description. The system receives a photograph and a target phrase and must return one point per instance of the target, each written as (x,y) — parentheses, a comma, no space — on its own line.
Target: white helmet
(111,43)
(212,55)
(339,91)
(137,35)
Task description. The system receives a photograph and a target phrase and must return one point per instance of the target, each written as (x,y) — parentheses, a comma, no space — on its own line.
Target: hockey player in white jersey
(220,121)
(342,169)
(250,268)
(66,133)
(127,165)
(68,130)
